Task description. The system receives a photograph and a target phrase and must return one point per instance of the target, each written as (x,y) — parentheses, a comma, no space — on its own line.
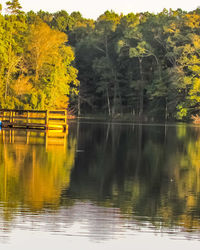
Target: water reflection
(31,173)
(150,172)
(101,181)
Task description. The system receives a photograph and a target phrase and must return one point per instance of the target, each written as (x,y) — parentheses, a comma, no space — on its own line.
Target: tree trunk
(115,96)
(141,89)
(108,101)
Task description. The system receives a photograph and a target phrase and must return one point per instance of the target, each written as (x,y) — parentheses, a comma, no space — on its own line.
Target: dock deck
(34,119)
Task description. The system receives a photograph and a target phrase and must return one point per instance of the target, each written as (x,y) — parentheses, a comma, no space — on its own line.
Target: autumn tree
(49,66)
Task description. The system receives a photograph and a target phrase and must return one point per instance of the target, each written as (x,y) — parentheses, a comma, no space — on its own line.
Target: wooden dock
(34,119)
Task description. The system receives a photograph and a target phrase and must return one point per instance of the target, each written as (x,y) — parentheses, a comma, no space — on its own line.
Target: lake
(101,186)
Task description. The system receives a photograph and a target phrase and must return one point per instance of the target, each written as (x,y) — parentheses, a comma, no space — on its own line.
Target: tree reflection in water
(33,172)
(150,172)
(147,174)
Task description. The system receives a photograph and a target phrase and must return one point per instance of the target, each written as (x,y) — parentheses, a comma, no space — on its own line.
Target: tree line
(141,65)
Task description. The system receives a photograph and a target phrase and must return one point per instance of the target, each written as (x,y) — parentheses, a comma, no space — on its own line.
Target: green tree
(14,7)
(105,65)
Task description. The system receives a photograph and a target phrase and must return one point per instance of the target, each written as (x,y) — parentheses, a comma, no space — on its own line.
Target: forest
(142,66)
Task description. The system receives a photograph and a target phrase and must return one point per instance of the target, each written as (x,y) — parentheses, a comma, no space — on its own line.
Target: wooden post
(10,135)
(10,116)
(13,116)
(27,116)
(47,119)
(13,136)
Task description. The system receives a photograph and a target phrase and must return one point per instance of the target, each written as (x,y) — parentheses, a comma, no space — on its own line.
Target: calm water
(101,186)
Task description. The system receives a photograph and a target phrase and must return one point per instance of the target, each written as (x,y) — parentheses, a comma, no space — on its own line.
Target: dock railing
(37,119)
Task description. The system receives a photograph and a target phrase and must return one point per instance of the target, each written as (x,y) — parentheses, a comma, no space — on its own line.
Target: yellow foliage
(22,85)
(196,41)
(172,28)
(43,46)
(192,20)
(196,86)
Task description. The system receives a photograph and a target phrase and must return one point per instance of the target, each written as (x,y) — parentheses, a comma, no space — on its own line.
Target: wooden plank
(24,117)
(34,111)
(57,116)
(23,111)
(57,119)
(57,111)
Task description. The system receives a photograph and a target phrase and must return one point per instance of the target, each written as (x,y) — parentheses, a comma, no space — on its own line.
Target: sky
(94,8)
